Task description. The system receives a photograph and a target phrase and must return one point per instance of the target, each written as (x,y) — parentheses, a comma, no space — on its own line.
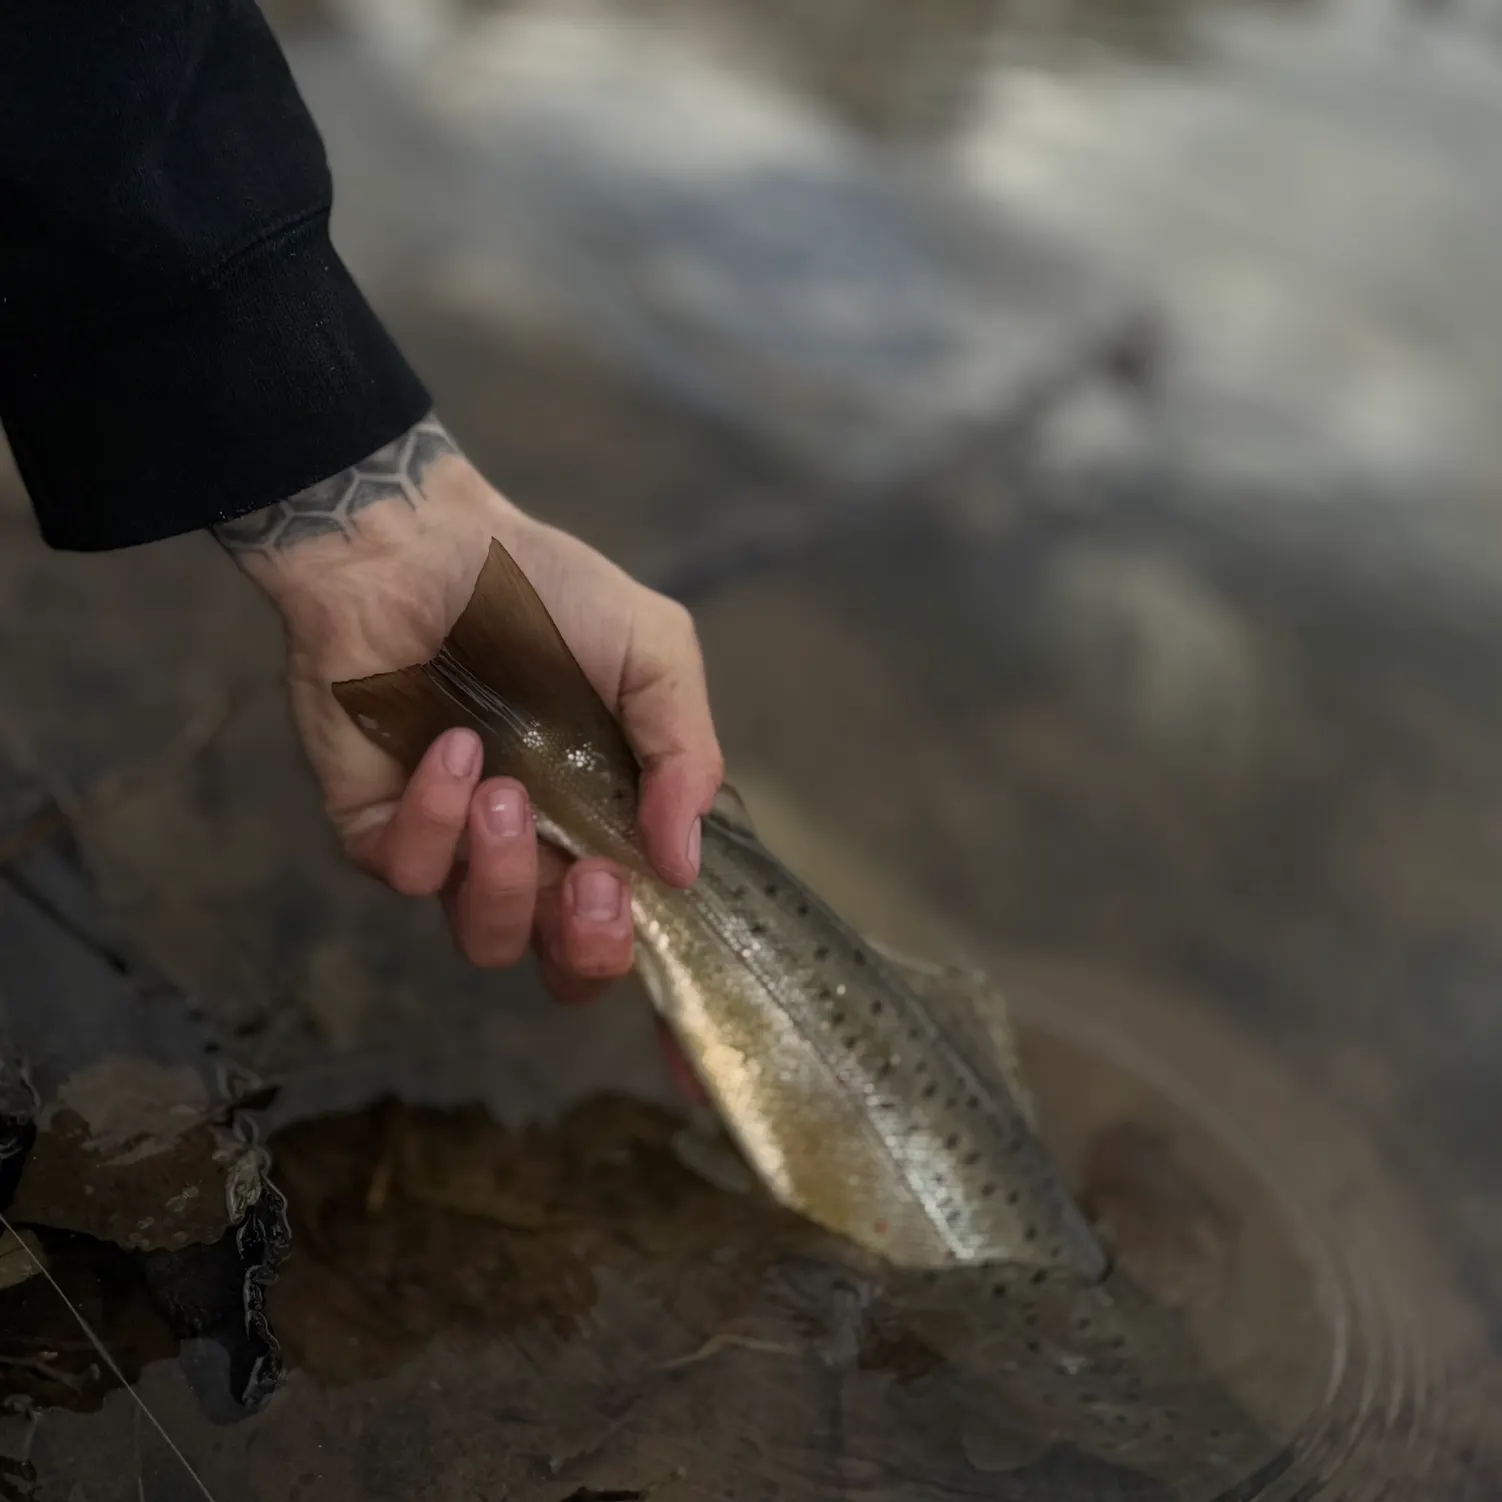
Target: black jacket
(179,343)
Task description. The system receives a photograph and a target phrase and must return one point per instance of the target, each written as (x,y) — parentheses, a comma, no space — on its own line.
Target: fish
(863,1095)
(1037,1364)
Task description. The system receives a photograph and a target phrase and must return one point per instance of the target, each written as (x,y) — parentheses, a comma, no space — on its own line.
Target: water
(614,1323)
(1162,686)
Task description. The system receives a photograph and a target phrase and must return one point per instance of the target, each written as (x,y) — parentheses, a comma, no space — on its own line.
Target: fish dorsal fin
(970,1008)
(504,669)
(730,809)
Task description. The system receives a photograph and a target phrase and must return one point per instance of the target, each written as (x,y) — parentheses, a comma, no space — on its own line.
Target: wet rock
(127,1152)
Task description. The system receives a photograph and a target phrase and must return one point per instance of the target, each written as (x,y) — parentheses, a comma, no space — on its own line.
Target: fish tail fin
(504,670)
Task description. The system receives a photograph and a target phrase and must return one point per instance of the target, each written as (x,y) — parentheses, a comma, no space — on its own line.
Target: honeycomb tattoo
(329,508)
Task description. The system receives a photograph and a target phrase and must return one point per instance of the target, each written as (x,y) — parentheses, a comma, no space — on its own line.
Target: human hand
(369,570)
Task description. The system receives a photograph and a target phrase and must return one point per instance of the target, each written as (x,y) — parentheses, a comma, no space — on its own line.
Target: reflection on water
(1178,706)
(636,1328)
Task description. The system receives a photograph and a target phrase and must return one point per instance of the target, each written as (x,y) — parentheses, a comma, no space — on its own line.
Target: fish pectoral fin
(730,809)
(970,1007)
(704,1148)
(997,1443)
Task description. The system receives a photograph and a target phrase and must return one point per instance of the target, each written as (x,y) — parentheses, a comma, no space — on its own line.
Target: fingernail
(505,813)
(695,844)
(461,753)
(597,896)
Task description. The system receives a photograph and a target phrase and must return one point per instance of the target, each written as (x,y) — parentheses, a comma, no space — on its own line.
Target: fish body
(1034,1362)
(857,1101)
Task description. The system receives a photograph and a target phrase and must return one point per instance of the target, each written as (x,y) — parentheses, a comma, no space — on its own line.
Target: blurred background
(1076,427)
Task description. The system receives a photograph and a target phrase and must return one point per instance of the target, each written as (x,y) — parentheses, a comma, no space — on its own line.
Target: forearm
(179,342)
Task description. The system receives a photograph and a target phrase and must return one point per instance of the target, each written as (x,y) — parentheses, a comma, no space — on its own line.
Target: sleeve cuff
(165,420)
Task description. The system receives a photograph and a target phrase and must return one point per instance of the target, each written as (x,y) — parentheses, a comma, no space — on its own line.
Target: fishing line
(451,675)
(105,1356)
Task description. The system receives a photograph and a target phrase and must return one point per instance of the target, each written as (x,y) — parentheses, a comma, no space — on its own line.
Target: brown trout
(860,1102)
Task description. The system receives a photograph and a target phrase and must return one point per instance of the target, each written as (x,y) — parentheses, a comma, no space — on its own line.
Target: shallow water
(1275,1325)
(420,1300)
(1077,427)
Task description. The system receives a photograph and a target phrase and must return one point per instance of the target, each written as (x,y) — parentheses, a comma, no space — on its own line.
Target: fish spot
(929,1091)
(1031,1322)
(974,1102)
(1039,1277)
(1013,1197)
(803,910)
(914,1033)
(859,958)
(852,1040)
(971,1159)
(886,1068)
(987,1190)
(1031,1234)
(738,893)
(1034,1347)
(1119,1344)
(770,889)
(1082,1323)
(998,1290)
(876,1008)
(952,1140)
(837,1019)
(822,952)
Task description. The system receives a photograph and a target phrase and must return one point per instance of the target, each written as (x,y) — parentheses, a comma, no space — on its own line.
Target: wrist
(369,567)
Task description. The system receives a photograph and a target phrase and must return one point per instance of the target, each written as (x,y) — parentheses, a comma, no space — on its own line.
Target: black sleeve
(179,342)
